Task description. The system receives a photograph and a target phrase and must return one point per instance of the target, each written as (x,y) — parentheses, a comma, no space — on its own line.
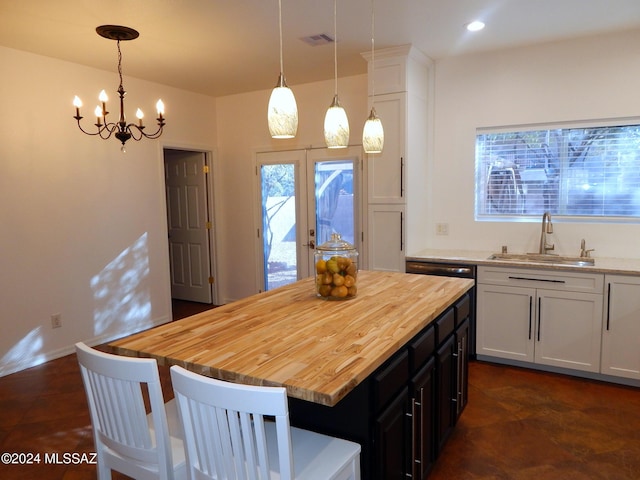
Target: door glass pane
(278,224)
(334,200)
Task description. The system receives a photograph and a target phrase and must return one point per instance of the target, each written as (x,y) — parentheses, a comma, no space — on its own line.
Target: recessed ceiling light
(475,26)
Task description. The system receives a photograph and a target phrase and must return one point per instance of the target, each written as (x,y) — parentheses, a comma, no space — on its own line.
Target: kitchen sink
(543,258)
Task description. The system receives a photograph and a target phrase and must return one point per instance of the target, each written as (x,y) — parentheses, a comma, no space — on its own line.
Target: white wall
(83,225)
(242,131)
(590,78)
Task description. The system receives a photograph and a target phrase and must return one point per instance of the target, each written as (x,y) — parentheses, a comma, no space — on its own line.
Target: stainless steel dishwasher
(450,269)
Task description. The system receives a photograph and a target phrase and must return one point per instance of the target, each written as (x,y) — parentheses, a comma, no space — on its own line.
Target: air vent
(316,40)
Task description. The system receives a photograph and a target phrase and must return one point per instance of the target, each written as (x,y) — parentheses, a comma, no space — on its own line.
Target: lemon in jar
(332,265)
(339,292)
(321,266)
(324,290)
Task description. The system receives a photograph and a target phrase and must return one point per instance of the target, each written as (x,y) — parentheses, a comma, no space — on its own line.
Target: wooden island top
(318,349)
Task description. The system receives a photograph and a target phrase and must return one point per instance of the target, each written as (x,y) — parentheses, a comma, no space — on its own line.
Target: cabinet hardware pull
(401,233)
(421,425)
(530,314)
(608,304)
(539,315)
(414,442)
(536,279)
(401,177)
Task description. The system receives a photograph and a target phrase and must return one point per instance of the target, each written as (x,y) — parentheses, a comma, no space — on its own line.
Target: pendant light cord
(373,55)
(335,44)
(280,23)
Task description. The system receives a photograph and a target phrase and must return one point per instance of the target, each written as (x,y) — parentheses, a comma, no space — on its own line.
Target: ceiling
(222,47)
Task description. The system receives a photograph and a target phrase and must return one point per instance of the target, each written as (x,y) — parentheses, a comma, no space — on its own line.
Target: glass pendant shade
(373,134)
(282,114)
(336,126)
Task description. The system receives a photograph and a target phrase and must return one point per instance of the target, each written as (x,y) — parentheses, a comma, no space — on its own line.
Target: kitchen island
(343,363)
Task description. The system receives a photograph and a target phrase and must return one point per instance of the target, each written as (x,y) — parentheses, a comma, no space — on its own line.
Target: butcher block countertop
(318,349)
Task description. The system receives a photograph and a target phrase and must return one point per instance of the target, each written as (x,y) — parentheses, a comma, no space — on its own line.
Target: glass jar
(336,269)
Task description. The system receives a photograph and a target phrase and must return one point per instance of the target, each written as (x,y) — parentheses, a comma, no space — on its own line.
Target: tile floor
(519,424)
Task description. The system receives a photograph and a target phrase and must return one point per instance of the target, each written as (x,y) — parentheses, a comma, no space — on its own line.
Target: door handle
(311,244)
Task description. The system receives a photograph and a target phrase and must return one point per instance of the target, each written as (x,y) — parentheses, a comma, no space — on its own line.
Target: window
(586,171)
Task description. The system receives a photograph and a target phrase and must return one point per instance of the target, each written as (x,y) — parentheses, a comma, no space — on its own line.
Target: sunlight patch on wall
(26,353)
(121,291)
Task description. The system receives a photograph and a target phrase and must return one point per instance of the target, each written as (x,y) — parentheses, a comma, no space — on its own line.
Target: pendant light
(336,124)
(373,133)
(282,114)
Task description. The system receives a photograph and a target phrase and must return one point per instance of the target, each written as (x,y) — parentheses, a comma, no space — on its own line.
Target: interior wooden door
(189,225)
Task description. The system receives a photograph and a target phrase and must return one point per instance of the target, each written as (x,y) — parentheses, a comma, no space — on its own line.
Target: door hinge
(205,169)
(208,225)
(211,280)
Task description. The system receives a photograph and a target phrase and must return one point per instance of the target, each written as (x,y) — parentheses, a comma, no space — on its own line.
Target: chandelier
(120,129)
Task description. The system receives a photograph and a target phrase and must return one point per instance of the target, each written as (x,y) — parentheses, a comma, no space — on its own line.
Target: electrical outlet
(442,229)
(56,320)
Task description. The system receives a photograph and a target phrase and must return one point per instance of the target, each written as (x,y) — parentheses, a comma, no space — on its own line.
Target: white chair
(227,436)
(126,438)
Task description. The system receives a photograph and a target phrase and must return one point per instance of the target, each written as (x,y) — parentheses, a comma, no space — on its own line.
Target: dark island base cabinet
(403,413)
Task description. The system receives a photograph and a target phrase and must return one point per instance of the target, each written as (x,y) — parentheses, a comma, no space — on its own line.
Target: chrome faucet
(547,227)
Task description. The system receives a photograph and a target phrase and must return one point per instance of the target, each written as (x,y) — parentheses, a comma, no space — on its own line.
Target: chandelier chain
(119,62)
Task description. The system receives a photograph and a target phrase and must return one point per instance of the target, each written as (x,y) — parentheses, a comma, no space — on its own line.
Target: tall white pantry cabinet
(396,178)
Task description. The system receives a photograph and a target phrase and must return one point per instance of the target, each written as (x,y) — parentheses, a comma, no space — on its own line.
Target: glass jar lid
(336,244)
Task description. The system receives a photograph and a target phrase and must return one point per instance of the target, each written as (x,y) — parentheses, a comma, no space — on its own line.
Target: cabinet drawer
(422,347)
(462,309)
(390,378)
(444,325)
(550,279)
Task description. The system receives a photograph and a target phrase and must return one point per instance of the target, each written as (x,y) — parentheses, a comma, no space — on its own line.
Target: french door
(305,196)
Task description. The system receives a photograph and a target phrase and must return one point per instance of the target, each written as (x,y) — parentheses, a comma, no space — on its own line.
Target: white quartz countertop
(624,266)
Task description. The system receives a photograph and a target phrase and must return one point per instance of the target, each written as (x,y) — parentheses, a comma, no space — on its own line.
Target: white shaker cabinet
(544,317)
(621,327)
(396,197)
(385,176)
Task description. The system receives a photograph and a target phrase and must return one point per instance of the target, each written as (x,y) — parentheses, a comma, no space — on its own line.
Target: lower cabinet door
(621,329)
(392,440)
(422,410)
(569,330)
(446,366)
(504,322)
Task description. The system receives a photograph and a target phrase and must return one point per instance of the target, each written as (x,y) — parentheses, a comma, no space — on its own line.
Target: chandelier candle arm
(120,129)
